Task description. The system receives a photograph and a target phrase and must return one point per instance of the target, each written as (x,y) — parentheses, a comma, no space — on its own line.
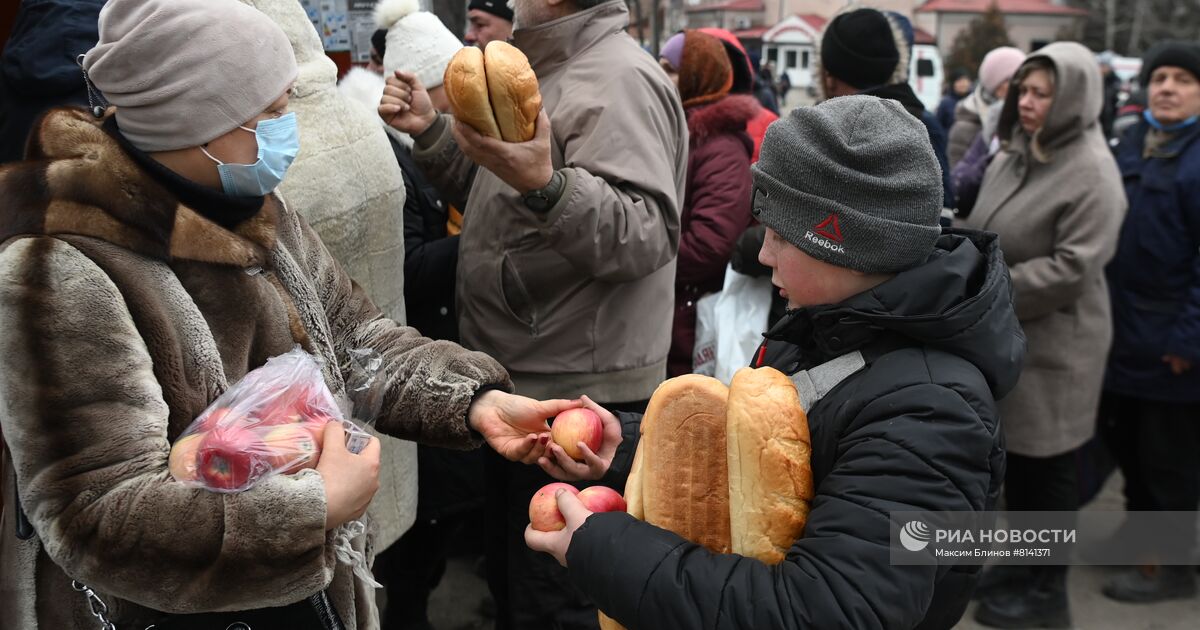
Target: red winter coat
(757,128)
(716,210)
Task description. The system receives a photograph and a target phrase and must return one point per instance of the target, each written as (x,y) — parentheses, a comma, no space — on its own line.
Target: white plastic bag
(704,352)
(730,324)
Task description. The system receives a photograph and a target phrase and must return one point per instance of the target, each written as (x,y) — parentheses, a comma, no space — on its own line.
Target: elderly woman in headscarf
(716,207)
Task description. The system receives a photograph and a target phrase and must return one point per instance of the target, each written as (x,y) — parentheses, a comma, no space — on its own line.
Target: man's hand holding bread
(499,122)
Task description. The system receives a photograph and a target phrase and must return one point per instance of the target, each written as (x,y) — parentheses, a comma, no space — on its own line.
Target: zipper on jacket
(324,609)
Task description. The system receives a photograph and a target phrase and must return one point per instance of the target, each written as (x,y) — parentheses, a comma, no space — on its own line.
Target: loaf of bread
(513,87)
(685,479)
(727,468)
(465,82)
(770,473)
(494,91)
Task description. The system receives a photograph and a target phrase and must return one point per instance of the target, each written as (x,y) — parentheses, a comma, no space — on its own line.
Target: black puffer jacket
(915,429)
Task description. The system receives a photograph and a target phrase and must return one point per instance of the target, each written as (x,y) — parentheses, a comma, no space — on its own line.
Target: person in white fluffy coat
(346,184)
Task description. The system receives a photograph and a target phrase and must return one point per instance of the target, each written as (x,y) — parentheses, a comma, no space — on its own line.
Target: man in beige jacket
(569,241)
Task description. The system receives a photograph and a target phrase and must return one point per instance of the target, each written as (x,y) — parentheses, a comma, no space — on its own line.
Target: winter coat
(38,70)
(764,91)
(915,428)
(1154,279)
(1056,202)
(966,127)
(946,110)
(345,183)
(430,254)
(716,210)
(757,129)
(552,295)
(128,313)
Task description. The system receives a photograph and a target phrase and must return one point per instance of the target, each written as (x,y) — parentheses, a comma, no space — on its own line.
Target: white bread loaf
(770,472)
(465,82)
(513,87)
(685,479)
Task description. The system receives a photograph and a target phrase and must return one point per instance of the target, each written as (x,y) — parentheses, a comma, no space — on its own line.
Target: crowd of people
(991,293)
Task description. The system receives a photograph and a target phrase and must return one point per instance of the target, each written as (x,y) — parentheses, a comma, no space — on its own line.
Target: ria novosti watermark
(1107,538)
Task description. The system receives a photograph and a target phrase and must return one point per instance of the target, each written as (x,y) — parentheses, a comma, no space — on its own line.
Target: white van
(926,75)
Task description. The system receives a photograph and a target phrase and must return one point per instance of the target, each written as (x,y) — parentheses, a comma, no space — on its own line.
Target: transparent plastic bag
(270,422)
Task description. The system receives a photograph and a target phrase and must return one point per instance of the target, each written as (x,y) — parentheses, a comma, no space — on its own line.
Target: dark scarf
(224,210)
(901,93)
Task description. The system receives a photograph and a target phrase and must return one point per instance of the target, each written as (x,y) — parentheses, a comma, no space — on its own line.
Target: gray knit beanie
(183,72)
(853,182)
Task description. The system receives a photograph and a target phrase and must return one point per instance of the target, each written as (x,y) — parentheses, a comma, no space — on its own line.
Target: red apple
(183,462)
(574,426)
(602,499)
(316,426)
(290,447)
(543,508)
(220,416)
(231,457)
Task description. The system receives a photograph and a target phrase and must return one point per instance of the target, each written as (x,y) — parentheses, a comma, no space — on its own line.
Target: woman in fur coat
(146,265)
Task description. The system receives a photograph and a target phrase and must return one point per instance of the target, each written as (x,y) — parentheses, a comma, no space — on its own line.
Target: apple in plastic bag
(183,461)
(221,416)
(231,457)
(291,447)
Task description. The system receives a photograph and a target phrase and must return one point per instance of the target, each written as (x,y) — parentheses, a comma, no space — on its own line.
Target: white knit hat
(417,41)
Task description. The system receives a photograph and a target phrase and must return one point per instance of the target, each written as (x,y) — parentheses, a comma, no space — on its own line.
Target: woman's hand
(515,426)
(350,480)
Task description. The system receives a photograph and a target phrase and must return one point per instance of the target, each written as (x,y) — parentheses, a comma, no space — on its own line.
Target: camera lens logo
(915,536)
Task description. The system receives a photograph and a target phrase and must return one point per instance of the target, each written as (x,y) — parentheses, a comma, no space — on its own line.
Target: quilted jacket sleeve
(922,447)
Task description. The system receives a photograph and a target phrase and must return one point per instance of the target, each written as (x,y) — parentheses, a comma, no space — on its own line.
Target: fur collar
(77,180)
(728,115)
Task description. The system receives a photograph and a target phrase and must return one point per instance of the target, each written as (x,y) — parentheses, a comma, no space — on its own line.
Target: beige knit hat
(417,41)
(183,72)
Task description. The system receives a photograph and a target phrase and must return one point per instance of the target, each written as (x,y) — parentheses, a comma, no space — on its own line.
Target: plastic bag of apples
(270,422)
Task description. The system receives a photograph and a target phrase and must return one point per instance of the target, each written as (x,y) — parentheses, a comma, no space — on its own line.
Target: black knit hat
(859,48)
(379,41)
(498,8)
(1181,54)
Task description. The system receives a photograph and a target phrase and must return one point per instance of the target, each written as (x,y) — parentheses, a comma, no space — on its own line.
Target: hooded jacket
(553,296)
(127,313)
(1056,201)
(1154,279)
(967,125)
(915,428)
(716,210)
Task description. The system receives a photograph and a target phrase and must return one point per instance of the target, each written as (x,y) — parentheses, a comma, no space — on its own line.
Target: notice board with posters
(345,26)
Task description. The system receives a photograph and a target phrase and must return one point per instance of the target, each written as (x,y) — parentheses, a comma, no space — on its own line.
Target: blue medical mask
(1168,128)
(278,144)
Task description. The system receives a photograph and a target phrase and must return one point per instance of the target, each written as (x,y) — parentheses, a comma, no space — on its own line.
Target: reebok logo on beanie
(827,234)
(852,182)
